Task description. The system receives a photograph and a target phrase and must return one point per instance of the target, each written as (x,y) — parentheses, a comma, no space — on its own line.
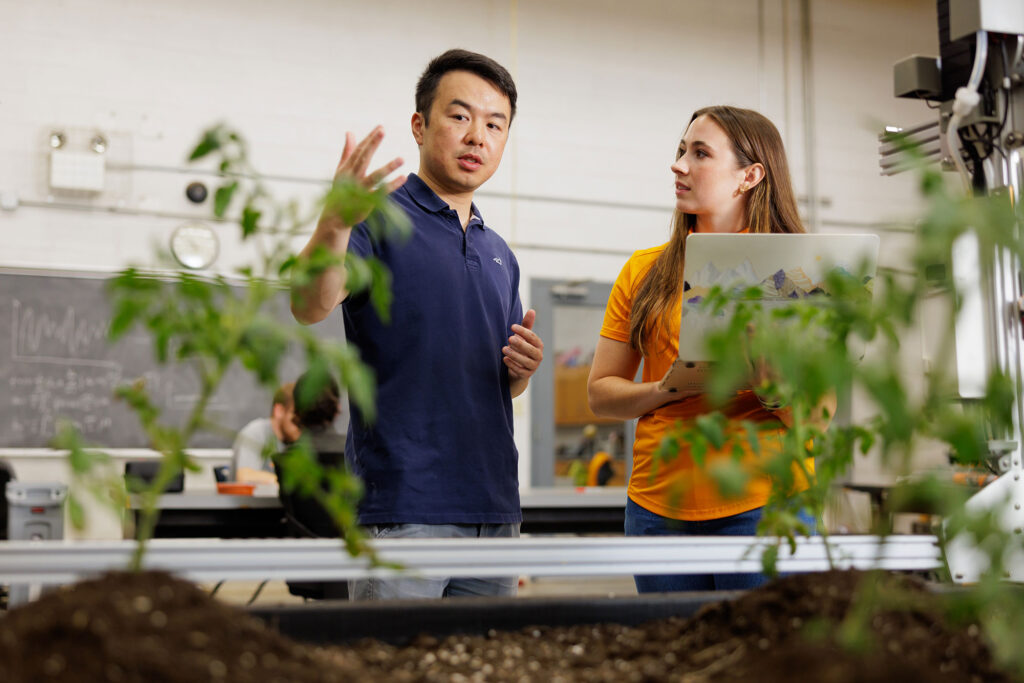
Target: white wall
(606,89)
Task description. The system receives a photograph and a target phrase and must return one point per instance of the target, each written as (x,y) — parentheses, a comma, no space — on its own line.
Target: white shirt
(253,446)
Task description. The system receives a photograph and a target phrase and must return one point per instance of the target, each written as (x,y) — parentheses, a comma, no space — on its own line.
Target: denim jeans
(431,587)
(643,522)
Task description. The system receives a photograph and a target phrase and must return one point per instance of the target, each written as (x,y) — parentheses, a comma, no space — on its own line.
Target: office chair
(306,518)
(6,475)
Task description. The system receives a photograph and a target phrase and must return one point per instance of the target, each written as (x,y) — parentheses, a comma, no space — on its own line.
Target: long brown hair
(770,207)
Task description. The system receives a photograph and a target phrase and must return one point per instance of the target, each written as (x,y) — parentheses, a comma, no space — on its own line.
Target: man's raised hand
(355,160)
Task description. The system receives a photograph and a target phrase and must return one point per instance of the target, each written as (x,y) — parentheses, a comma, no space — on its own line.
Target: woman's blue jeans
(642,522)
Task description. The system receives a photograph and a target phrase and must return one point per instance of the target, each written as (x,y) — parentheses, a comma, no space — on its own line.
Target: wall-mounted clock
(195,245)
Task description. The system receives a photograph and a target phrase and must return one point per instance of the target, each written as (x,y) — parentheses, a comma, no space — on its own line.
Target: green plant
(212,323)
(807,349)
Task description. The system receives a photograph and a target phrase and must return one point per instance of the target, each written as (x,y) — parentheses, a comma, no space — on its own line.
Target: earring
(744,187)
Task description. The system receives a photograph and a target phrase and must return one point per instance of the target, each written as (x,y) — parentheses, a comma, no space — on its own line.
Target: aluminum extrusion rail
(55,562)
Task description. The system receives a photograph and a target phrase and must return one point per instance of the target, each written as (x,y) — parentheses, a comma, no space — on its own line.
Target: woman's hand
(611,389)
(762,377)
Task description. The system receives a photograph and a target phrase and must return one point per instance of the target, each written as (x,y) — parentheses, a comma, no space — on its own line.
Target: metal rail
(55,562)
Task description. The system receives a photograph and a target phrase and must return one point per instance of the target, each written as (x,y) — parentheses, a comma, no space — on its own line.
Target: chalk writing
(66,335)
(57,362)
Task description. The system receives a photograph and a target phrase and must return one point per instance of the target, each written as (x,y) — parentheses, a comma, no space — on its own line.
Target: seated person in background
(262,438)
(306,516)
(315,415)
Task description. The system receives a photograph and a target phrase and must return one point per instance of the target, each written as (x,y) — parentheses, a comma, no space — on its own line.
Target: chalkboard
(56,363)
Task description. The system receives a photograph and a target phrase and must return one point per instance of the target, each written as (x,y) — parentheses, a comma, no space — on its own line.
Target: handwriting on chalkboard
(66,339)
(57,363)
(37,400)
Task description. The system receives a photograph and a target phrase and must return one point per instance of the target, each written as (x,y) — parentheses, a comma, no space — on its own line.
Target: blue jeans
(642,522)
(445,587)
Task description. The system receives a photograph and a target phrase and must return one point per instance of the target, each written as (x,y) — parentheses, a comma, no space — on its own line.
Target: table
(890,499)
(212,515)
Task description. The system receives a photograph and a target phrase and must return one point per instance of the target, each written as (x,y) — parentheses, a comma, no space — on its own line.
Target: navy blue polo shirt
(441,449)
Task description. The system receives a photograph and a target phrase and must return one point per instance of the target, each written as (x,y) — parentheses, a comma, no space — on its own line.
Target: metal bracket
(24,562)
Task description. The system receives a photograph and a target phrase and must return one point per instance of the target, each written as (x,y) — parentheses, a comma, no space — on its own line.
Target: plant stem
(172,464)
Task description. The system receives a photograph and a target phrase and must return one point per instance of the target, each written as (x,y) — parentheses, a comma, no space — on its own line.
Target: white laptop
(783,267)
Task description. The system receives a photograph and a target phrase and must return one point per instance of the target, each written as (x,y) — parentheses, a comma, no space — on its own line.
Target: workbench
(209,514)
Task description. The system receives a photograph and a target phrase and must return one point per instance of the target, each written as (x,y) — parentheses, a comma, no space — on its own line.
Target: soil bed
(152,627)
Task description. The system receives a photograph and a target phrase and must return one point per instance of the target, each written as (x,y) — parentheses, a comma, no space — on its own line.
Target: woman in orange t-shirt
(731,175)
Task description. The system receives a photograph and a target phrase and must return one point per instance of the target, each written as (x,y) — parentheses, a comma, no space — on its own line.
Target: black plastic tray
(400,621)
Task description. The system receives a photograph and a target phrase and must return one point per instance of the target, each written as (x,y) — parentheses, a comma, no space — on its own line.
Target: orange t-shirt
(682,490)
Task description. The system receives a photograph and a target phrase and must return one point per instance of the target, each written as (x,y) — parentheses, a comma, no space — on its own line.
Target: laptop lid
(783,267)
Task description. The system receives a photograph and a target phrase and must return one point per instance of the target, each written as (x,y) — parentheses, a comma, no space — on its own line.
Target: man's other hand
(525,349)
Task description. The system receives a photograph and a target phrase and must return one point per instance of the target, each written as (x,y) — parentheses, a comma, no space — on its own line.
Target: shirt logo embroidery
(497,260)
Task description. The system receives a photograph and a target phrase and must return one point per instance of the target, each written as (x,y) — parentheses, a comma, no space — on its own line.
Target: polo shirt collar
(429,201)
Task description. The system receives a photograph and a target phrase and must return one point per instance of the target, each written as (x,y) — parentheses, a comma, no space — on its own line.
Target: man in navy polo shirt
(439,461)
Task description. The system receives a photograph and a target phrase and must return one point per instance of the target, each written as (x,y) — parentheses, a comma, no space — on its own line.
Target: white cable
(967,99)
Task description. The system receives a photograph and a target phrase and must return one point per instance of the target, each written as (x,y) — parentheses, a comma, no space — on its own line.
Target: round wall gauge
(194,245)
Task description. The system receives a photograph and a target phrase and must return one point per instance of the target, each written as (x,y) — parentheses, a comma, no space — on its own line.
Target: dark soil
(152,627)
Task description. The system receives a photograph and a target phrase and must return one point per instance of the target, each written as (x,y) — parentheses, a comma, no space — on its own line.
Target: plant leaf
(222,198)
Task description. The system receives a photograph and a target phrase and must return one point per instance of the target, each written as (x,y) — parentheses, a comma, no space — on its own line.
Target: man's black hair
(462,60)
(316,400)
